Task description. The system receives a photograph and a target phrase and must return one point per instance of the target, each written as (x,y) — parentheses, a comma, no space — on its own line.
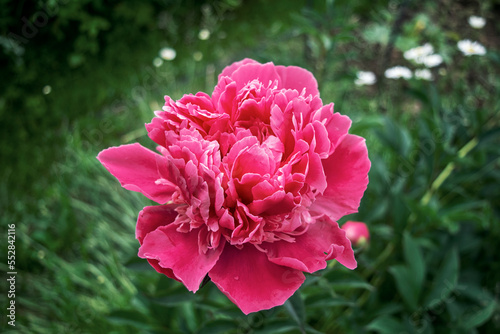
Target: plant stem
(447,171)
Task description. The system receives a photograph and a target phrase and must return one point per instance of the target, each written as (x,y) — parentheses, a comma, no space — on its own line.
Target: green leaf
(352,285)
(386,324)
(445,281)
(415,261)
(346,280)
(405,284)
(395,136)
(174,299)
(295,307)
(188,316)
(323,300)
(478,318)
(310,330)
(137,264)
(130,318)
(278,327)
(387,309)
(218,326)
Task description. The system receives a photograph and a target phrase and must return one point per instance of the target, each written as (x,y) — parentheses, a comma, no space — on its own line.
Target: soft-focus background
(80,76)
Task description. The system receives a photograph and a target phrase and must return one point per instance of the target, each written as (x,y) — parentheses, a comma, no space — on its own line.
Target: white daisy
(432,60)
(168,53)
(417,53)
(423,74)
(470,48)
(365,78)
(397,72)
(477,22)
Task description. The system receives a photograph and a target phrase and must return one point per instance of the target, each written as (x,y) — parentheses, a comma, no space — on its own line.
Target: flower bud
(357,232)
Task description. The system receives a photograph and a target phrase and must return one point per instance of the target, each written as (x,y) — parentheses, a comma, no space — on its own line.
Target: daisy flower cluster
(425,55)
(365,78)
(398,72)
(470,48)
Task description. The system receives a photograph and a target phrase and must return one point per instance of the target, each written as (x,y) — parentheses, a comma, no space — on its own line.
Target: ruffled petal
(265,73)
(293,77)
(180,252)
(152,217)
(228,71)
(138,169)
(310,250)
(347,178)
(337,125)
(165,271)
(341,249)
(253,283)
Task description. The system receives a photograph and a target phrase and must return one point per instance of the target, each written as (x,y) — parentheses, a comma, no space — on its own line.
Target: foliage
(432,204)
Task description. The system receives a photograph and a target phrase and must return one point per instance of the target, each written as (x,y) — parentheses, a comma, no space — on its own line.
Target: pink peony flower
(357,232)
(251,181)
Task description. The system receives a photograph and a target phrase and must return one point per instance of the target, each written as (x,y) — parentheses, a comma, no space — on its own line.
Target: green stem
(447,171)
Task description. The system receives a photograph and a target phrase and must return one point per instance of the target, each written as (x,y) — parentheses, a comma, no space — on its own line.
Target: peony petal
(152,217)
(136,168)
(165,271)
(342,248)
(316,175)
(275,204)
(223,96)
(293,77)
(337,125)
(255,159)
(310,250)
(228,71)
(180,253)
(347,178)
(250,281)
(265,73)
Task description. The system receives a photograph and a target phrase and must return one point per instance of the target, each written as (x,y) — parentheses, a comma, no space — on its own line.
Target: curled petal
(275,204)
(250,281)
(293,77)
(180,252)
(347,178)
(152,217)
(137,169)
(309,251)
(336,125)
(265,73)
(228,71)
(316,175)
(165,271)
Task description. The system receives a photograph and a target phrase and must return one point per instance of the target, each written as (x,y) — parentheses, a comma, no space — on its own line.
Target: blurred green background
(80,76)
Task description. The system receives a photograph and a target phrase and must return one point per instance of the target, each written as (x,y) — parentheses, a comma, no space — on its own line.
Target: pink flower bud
(357,232)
